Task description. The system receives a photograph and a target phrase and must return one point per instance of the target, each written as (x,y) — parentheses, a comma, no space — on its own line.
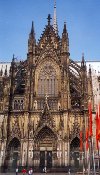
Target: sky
(81,16)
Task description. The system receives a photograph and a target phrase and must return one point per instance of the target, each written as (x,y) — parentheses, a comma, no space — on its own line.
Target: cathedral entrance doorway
(13,153)
(74,152)
(45,146)
(45,159)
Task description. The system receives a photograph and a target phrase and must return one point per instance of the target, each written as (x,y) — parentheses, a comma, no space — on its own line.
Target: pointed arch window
(47,81)
(18,104)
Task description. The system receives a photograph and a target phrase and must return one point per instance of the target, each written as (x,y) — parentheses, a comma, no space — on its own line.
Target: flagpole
(84,143)
(98,154)
(89,165)
(93,157)
(98,158)
(87,160)
(85,146)
(83,161)
(98,132)
(92,161)
(89,157)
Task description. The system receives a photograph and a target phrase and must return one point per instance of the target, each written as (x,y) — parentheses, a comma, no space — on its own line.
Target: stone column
(68,152)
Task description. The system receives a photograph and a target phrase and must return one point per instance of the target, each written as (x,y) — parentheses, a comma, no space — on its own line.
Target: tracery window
(40,104)
(20,81)
(53,104)
(18,104)
(47,81)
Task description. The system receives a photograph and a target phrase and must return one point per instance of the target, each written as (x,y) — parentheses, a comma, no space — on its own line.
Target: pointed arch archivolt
(45,129)
(14,141)
(45,138)
(47,76)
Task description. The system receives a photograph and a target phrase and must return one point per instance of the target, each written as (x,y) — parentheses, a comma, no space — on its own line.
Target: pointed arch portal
(75,143)
(74,152)
(45,145)
(13,152)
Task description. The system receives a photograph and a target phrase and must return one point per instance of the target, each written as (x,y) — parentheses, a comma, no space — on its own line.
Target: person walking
(17,171)
(45,169)
(24,171)
(30,172)
(69,172)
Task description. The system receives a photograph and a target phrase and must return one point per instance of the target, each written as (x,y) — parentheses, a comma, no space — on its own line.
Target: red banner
(98,125)
(87,139)
(81,141)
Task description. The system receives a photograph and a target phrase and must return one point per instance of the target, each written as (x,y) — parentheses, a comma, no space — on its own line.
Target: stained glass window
(47,81)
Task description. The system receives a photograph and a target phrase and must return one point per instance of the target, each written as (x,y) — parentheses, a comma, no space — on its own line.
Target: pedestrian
(45,169)
(24,171)
(17,171)
(69,171)
(30,172)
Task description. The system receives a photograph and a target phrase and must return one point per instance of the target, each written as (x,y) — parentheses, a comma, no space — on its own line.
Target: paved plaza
(41,173)
(37,173)
(80,173)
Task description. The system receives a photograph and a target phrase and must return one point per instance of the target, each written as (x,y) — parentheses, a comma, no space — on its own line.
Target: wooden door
(49,159)
(42,159)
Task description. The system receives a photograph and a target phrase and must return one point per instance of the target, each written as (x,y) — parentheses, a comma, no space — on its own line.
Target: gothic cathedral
(44,104)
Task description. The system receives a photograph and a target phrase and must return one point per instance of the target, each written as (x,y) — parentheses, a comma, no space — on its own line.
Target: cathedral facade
(44,104)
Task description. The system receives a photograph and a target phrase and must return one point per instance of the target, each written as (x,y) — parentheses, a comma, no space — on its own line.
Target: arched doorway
(45,146)
(13,152)
(74,152)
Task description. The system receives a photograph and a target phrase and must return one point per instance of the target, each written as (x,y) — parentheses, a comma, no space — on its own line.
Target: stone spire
(83,63)
(31,40)
(90,86)
(32,29)
(65,40)
(49,18)
(31,46)
(55,26)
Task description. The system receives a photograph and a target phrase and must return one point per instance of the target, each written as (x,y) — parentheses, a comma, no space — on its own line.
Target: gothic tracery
(38,101)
